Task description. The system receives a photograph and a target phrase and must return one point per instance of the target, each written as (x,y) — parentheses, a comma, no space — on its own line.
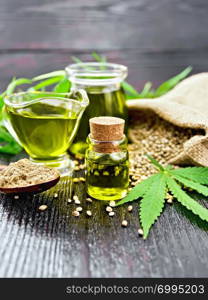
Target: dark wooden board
(143,66)
(55,244)
(156,40)
(103,24)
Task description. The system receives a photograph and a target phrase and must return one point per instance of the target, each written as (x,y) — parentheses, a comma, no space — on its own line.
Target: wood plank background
(155,39)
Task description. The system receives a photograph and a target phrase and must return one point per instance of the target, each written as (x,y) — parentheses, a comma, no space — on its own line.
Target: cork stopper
(106,130)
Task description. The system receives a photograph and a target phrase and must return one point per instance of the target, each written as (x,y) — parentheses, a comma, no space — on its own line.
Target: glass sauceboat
(45,124)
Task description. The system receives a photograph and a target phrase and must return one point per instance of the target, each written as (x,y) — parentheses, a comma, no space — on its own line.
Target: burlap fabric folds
(185,106)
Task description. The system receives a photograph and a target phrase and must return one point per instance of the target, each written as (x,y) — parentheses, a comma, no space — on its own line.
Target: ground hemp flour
(24,173)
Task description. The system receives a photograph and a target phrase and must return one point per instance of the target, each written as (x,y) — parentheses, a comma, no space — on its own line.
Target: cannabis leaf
(130,91)
(56,73)
(59,83)
(138,191)
(152,203)
(186,200)
(7,143)
(152,192)
(197,174)
(193,185)
(149,92)
(169,84)
(15,82)
(63,86)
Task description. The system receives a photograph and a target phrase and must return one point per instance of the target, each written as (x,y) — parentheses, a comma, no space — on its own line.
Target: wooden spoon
(35,188)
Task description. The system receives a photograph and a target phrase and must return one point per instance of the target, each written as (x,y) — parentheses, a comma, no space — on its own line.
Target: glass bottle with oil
(45,124)
(103,84)
(107,160)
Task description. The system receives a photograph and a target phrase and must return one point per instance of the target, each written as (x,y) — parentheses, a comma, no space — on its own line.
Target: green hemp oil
(103,84)
(107,160)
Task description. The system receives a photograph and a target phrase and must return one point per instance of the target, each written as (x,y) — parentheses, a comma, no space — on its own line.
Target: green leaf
(130,90)
(10,148)
(186,200)
(152,203)
(63,86)
(99,58)
(197,174)
(7,143)
(2,100)
(193,185)
(76,60)
(5,136)
(155,163)
(15,82)
(169,84)
(146,90)
(138,191)
(86,67)
(50,75)
(47,82)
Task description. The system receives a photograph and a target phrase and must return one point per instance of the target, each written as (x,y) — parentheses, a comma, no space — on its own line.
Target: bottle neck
(107,146)
(96,75)
(97,89)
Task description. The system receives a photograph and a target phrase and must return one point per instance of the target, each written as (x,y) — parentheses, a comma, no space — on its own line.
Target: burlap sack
(185,106)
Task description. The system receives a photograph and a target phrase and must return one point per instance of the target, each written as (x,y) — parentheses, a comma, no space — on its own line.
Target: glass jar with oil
(102,82)
(45,124)
(107,160)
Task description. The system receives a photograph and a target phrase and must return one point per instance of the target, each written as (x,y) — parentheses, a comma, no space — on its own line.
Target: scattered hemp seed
(42,207)
(75,213)
(89,200)
(148,134)
(75,180)
(170,201)
(109,209)
(112,203)
(16,197)
(82,179)
(75,197)
(169,198)
(124,223)
(82,167)
(140,232)
(130,208)
(79,208)
(89,213)
(78,156)
(111,213)
(55,195)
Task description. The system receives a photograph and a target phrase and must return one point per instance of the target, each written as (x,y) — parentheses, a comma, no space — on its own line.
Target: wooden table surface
(155,39)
